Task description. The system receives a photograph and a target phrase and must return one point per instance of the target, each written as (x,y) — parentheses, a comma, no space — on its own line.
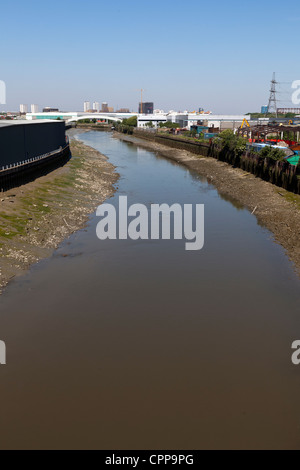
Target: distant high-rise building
(23,108)
(96,106)
(86,106)
(34,108)
(104,108)
(146,108)
(123,110)
(48,109)
(110,109)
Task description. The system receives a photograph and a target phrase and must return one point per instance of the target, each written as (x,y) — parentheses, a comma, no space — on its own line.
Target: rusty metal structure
(261,132)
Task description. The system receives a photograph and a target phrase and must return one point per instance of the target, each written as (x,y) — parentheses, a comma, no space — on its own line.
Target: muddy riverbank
(275,208)
(35,218)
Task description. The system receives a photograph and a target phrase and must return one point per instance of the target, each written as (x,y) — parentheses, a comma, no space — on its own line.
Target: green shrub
(169,125)
(228,140)
(132,121)
(273,153)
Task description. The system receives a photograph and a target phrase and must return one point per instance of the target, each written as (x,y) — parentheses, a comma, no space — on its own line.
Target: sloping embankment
(280,173)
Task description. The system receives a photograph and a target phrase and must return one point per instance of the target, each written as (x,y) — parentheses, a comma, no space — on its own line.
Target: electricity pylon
(272,106)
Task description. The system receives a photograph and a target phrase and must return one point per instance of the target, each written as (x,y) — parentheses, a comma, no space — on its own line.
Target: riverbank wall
(30,149)
(31,169)
(280,173)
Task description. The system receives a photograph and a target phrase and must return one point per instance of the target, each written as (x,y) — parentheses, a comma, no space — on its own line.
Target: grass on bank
(37,202)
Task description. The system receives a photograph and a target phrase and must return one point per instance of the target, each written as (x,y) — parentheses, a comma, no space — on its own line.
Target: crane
(245,123)
(141,90)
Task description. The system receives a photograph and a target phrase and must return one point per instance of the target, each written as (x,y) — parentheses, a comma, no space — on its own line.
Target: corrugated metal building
(22,140)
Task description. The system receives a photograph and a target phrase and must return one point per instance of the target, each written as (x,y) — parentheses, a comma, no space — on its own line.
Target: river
(142,344)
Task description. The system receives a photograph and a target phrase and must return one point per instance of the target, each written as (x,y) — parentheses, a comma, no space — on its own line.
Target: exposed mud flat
(275,208)
(37,217)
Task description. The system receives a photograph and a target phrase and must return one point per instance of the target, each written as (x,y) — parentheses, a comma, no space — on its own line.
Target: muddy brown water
(141,344)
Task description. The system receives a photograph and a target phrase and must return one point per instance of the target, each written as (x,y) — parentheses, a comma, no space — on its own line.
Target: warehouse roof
(18,122)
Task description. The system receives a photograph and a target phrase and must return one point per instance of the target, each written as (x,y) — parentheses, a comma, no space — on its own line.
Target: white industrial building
(186,120)
(53,116)
(76,116)
(155,119)
(219,121)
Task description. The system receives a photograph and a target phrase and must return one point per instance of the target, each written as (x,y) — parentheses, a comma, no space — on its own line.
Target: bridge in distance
(115,117)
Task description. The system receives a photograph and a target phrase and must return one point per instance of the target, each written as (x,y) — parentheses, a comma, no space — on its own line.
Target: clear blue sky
(217,55)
